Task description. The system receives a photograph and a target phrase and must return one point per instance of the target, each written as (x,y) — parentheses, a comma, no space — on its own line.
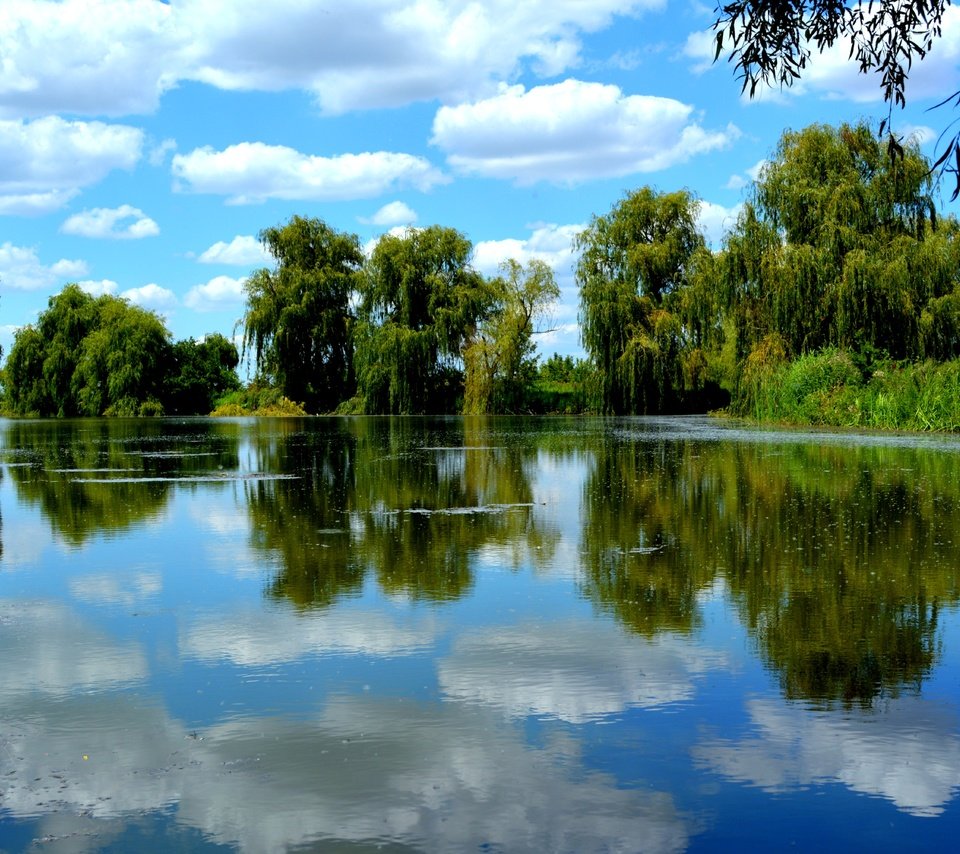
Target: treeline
(834,299)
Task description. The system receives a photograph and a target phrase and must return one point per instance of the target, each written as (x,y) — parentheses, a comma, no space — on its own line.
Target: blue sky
(143,144)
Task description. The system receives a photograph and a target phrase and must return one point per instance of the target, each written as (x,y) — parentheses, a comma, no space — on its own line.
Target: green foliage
(256,399)
(839,246)
(500,361)
(421,303)
(202,372)
(89,356)
(633,264)
(298,321)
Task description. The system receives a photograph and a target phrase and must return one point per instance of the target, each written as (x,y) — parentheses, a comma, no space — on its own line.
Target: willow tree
(633,263)
(500,360)
(298,321)
(839,245)
(88,356)
(421,302)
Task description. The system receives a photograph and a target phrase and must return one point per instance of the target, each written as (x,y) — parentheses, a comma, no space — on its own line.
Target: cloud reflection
(907,751)
(437,776)
(574,671)
(48,649)
(273,636)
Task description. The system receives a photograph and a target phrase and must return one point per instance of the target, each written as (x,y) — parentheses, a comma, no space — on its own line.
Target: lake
(560,634)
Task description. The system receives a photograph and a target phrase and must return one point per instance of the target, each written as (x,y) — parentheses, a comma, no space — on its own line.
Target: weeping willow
(840,245)
(633,268)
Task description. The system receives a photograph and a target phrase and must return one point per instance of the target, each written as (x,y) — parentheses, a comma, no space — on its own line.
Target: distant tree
(500,360)
(421,303)
(557,369)
(771,42)
(88,356)
(633,263)
(201,372)
(298,321)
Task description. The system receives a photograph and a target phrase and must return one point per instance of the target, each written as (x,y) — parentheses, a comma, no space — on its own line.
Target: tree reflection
(96,475)
(410,501)
(838,558)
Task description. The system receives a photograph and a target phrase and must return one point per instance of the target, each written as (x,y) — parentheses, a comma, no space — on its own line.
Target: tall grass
(827,388)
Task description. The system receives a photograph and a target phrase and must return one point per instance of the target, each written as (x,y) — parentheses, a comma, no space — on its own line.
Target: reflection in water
(572,671)
(839,559)
(908,752)
(439,777)
(452,634)
(382,496)
(90,476)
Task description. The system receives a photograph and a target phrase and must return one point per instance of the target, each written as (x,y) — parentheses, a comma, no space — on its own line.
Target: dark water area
(564,634)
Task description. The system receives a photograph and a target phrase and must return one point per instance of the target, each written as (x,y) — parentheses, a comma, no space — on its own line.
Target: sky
(145,144)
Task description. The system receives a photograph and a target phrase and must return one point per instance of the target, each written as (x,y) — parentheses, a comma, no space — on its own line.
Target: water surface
(476,635)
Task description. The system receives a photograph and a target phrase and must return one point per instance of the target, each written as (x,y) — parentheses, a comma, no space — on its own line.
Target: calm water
(476,635)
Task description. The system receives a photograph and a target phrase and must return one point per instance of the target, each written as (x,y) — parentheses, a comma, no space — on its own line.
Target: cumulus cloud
(386,53)
(571,132)
(547,242)
(45,162)
(89,57)
(221,292)
(21,268)
(252,172)
(111,223)
(243,251)
(394,213)
(151,296)
(118,57)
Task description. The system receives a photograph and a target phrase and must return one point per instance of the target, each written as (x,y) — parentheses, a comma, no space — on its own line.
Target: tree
(201,372)
(500,361)
(841,246)
(298,320)
(421,302)
(633,262)
(771,42)
(88,356)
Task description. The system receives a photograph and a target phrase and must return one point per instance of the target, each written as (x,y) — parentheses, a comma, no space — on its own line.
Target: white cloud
(242,251)
(571,132)
(98,289)
(394,213)
(20,268)
(550,243)
(221,292)
(386,53)
(252,172)
(90,57)
(151,296)
(117,57)
(44,163)
(716,220)
(106,223)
